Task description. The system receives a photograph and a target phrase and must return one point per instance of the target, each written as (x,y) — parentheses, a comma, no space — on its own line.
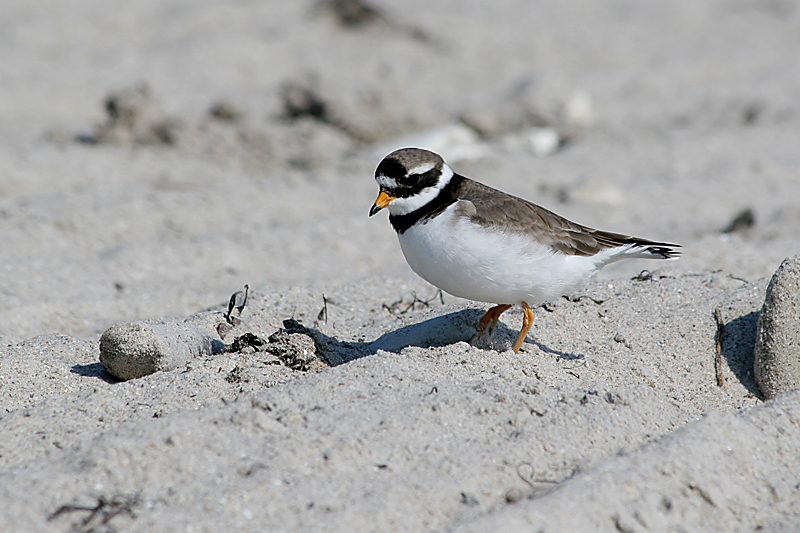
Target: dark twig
(718,357)
(393,308)
(577,298)
(323,313)
(236,303)
(441,296)
(582,363)
(99,515)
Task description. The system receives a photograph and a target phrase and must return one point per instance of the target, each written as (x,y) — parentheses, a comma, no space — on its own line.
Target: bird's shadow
(738,345)
(443,330)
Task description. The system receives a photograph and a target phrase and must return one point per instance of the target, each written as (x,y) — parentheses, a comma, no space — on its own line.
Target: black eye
(425,179)
(410,180)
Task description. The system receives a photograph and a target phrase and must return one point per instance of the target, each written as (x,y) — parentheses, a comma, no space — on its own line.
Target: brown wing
(514,214)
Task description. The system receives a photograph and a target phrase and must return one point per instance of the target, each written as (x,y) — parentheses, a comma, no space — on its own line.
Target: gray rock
(777,349)
(134,349)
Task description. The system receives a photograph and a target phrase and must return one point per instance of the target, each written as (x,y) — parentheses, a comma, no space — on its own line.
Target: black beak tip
(374,209)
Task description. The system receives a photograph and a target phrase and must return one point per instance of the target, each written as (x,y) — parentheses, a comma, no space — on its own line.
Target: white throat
(403,206)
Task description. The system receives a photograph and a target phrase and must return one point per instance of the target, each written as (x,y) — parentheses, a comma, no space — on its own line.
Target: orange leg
(491,317)
(527,322)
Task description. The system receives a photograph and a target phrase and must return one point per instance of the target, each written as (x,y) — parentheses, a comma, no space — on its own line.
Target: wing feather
(513,214)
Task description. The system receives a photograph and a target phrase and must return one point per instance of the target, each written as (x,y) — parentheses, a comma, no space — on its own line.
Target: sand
(158,156)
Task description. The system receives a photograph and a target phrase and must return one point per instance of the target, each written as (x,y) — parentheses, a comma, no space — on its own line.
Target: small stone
(543,141)
(743,220)
(135,349)
(777,349)
(469,500)
(301,100)
(225,111)
(579,109)
(135,117)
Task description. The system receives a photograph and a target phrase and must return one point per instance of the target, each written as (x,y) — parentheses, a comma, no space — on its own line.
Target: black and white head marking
(414,177)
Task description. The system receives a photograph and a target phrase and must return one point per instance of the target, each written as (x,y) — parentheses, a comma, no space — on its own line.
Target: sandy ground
(157,156)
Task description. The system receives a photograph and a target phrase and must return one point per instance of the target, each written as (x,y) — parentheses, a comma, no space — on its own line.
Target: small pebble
(225,111)
(513,496)
(543,141)
(135,117)
(579,109)
(743,220)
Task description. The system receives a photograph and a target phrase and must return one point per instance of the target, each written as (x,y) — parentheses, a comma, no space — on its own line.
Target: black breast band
(446,197)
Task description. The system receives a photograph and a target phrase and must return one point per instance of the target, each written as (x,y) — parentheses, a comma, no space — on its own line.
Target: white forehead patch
(386,181)
(422,169)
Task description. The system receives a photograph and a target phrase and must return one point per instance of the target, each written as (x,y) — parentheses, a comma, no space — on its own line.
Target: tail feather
(644,249)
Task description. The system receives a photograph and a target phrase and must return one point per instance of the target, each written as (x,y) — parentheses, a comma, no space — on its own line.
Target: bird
(482,244)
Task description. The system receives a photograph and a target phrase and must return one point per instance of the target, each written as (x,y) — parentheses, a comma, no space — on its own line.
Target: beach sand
(156,157)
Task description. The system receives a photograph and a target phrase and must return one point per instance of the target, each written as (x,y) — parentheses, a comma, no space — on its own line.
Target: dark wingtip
(664,250)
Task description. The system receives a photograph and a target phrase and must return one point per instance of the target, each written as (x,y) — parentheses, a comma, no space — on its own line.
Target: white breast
(473,262)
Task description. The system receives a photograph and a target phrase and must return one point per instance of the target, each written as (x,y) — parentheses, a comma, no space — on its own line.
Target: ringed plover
(479,243)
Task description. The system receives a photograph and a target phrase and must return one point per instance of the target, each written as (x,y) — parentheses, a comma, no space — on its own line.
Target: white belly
(470,262)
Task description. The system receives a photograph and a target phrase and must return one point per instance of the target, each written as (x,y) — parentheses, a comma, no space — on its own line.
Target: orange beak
(382,201)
